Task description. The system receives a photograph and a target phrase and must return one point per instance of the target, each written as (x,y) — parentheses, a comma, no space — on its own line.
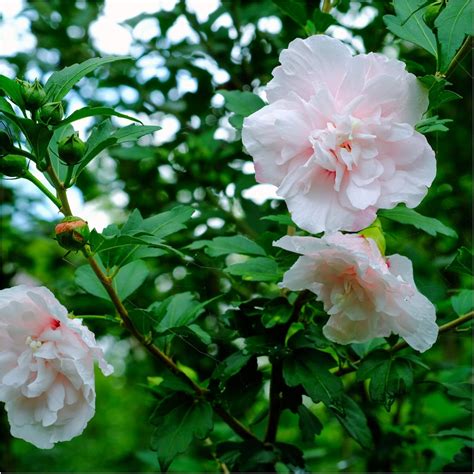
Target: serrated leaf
(234,244)
(242,103)
(389,376)
(353,419)
(405,215)
(437,93)
(453,24)
(311,369)
(61,82)
(463,302)
(178,420)
(93,112)
(256,269)
(408,24)
(309,424)
(463,262)
(432,124)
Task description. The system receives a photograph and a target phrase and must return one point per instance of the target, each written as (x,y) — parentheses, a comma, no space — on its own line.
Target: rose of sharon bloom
(337,137)
(365,294)
(46,367)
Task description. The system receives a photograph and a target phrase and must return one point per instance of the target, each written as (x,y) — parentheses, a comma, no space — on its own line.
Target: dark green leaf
(61,82)
(93,112)
(309,424)
(311,369)
(12,89)
(352,418)
(231,366)
(178,420)
(463,262)
(405,215)
(295,9)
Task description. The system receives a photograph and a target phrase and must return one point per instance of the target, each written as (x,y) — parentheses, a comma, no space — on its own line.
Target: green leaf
(61,82)
(463,302)
(92,112)
(175,311)
(389,376)
(453,23)
(309,424)
(311,369)
(256,269)
(235,244)
(242,103)
(461,390)
(322,21)
(231,366)
(352,418)
(128,279)
(295,9)
(103,137)
(283,219)
(432,124)
(179,419)
(463,262)
(405,215)
(277,311)
(437,93)
(408,24)
(12,89)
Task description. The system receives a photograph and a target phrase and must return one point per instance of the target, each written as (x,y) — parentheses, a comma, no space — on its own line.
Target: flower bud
(72,233)
(432,12)
(375,232)
(33,95)
(51,113)
(14,166)
(71,149)
(6,142)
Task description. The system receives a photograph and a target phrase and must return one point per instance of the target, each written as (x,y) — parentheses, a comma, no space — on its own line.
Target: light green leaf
(463,302)
(235,244)
(92,112)
(432,124)
(408,24)
(61,82)
(242,103)
(179,419)
(130,277)
(453,23)
(405,215)
(256,269)
(88,281)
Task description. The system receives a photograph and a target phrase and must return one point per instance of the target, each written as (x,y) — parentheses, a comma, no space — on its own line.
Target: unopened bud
(432,12)
(72,233)
(51,113)
(71,149)
(33,95)
(375,232)
(14,166)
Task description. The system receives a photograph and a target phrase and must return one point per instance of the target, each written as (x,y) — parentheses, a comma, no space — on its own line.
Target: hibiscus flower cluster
(338,139)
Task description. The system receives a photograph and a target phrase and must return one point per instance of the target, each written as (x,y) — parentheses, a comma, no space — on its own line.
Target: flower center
(33,343)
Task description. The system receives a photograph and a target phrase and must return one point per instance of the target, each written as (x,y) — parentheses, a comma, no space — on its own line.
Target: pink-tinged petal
(309,65)
(361,197)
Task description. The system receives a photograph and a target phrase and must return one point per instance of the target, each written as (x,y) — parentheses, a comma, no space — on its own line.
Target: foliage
(191,258)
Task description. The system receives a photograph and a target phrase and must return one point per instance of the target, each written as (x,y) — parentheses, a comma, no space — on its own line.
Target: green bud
(33,95)
(72,233)
(375,232)
(51,113)
(14,166)
(432,12)
(71,149)
(6,142)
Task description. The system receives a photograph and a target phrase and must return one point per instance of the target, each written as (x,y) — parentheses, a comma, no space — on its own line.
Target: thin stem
(60,190)
(402,344)
(276,380)
(42,188)
(465,48)
(67,181)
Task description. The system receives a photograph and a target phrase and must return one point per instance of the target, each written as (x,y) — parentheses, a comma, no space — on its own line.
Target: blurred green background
(182,54)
